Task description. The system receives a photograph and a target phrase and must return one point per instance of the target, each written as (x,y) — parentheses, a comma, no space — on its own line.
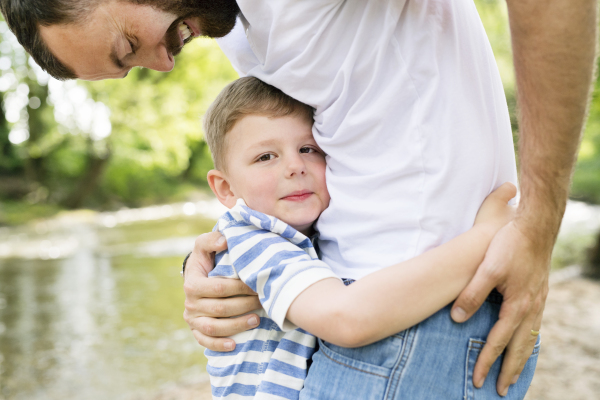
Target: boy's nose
(296,166)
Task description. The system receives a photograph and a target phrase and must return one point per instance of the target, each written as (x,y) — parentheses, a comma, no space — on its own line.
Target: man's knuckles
(207,327)
(202,242)
(218,309)
(496,347)
(190,289)
(470,301)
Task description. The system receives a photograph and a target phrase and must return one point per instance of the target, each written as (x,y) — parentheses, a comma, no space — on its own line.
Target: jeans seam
(466,389)
(351,367)
(398,369)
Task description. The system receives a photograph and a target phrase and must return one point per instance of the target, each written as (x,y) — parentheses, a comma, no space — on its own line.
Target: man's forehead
(84,48)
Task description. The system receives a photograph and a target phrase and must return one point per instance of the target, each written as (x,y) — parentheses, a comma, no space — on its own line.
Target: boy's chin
(306,229)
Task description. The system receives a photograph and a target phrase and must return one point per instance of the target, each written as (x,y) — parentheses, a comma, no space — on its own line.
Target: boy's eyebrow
(262,143)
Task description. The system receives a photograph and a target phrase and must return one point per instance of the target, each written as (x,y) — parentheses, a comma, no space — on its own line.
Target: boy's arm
(400,296)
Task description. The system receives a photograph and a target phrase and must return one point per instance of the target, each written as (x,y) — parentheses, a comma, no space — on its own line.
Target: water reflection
(103,319)
(91,304)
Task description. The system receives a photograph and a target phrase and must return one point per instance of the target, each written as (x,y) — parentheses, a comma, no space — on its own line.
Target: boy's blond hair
(246,96)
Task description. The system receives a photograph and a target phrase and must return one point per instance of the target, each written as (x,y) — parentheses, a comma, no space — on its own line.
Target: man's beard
(217,18)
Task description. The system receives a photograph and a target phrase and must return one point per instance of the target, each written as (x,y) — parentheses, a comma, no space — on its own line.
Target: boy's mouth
(299,195)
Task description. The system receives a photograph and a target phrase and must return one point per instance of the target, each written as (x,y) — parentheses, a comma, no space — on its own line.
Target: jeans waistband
(495,297)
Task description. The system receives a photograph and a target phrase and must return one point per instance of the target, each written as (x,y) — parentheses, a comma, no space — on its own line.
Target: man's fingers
(214,344)
(220,307)
(211,242)
(532,341)
(473,296)
(201,258)
(218,287)
(224,327)
(497,340)
(517,352)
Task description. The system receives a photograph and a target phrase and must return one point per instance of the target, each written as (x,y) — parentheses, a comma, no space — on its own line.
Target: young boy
(271,174)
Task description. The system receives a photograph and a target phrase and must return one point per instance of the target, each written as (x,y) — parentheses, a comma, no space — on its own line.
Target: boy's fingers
(505,192)
(214,327)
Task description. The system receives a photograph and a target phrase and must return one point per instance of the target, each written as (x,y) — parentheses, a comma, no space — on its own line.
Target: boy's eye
(307,150)
(266,157)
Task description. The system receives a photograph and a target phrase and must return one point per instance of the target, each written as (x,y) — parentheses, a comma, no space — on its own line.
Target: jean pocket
(488,390)
(369,359)
(334,376)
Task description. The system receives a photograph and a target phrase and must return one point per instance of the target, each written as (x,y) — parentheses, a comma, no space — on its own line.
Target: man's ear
(221,188)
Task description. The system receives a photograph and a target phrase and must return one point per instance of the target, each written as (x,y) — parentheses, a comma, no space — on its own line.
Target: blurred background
(102,192)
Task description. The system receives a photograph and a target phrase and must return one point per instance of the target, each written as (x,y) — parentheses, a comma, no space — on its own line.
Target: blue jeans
(432,360)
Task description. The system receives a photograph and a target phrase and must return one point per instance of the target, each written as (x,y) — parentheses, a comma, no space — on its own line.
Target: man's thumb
(471,298)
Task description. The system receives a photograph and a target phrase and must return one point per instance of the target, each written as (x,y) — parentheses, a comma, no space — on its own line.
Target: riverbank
(569,361)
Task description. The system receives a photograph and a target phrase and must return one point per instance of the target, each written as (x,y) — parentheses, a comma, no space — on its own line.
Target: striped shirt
(278,263)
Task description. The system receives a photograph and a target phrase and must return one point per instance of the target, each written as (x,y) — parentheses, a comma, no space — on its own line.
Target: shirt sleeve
(276,269)
(237,49)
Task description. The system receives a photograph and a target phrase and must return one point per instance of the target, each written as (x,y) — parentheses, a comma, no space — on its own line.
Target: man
(105,39)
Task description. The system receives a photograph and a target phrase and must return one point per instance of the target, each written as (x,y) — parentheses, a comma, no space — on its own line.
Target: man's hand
(518,266)
(209,300)
(554,52)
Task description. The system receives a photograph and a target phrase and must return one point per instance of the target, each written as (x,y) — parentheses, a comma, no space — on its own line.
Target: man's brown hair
(246,96)
(24,18)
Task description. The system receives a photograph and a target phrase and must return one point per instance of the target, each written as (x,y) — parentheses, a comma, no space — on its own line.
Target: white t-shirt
(410,110)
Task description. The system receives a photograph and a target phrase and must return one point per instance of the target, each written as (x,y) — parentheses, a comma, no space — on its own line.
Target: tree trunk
(90,178)
(593,267)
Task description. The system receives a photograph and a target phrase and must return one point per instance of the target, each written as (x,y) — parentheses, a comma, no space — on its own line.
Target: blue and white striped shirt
(278,263)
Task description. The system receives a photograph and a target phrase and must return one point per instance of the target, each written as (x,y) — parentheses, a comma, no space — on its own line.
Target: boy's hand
(208,302)
(495,211)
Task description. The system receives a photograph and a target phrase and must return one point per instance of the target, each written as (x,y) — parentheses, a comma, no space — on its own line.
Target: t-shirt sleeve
(276,269)
(237,49)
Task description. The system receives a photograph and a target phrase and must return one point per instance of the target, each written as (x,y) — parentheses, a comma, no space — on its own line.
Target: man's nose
(159,60)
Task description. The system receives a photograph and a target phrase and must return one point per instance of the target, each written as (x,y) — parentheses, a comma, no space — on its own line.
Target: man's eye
(131,45)
(307,150)
(266,157)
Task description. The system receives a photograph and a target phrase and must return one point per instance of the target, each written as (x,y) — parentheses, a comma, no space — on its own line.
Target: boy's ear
(221,188)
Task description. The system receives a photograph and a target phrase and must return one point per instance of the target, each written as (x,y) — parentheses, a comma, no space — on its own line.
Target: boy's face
(275,165)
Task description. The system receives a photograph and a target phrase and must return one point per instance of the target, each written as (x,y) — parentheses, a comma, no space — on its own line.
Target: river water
(91,303)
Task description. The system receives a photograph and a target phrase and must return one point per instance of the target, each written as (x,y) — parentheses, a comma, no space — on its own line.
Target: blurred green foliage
(138,141)
(108,144)
(586,179)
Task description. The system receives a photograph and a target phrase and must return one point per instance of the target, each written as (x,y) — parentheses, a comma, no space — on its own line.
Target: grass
(16,213)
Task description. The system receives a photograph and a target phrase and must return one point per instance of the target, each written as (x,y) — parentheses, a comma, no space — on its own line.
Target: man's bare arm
(554,46)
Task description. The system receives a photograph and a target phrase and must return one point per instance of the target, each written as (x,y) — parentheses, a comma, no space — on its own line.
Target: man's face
(276,166)
(120,35)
